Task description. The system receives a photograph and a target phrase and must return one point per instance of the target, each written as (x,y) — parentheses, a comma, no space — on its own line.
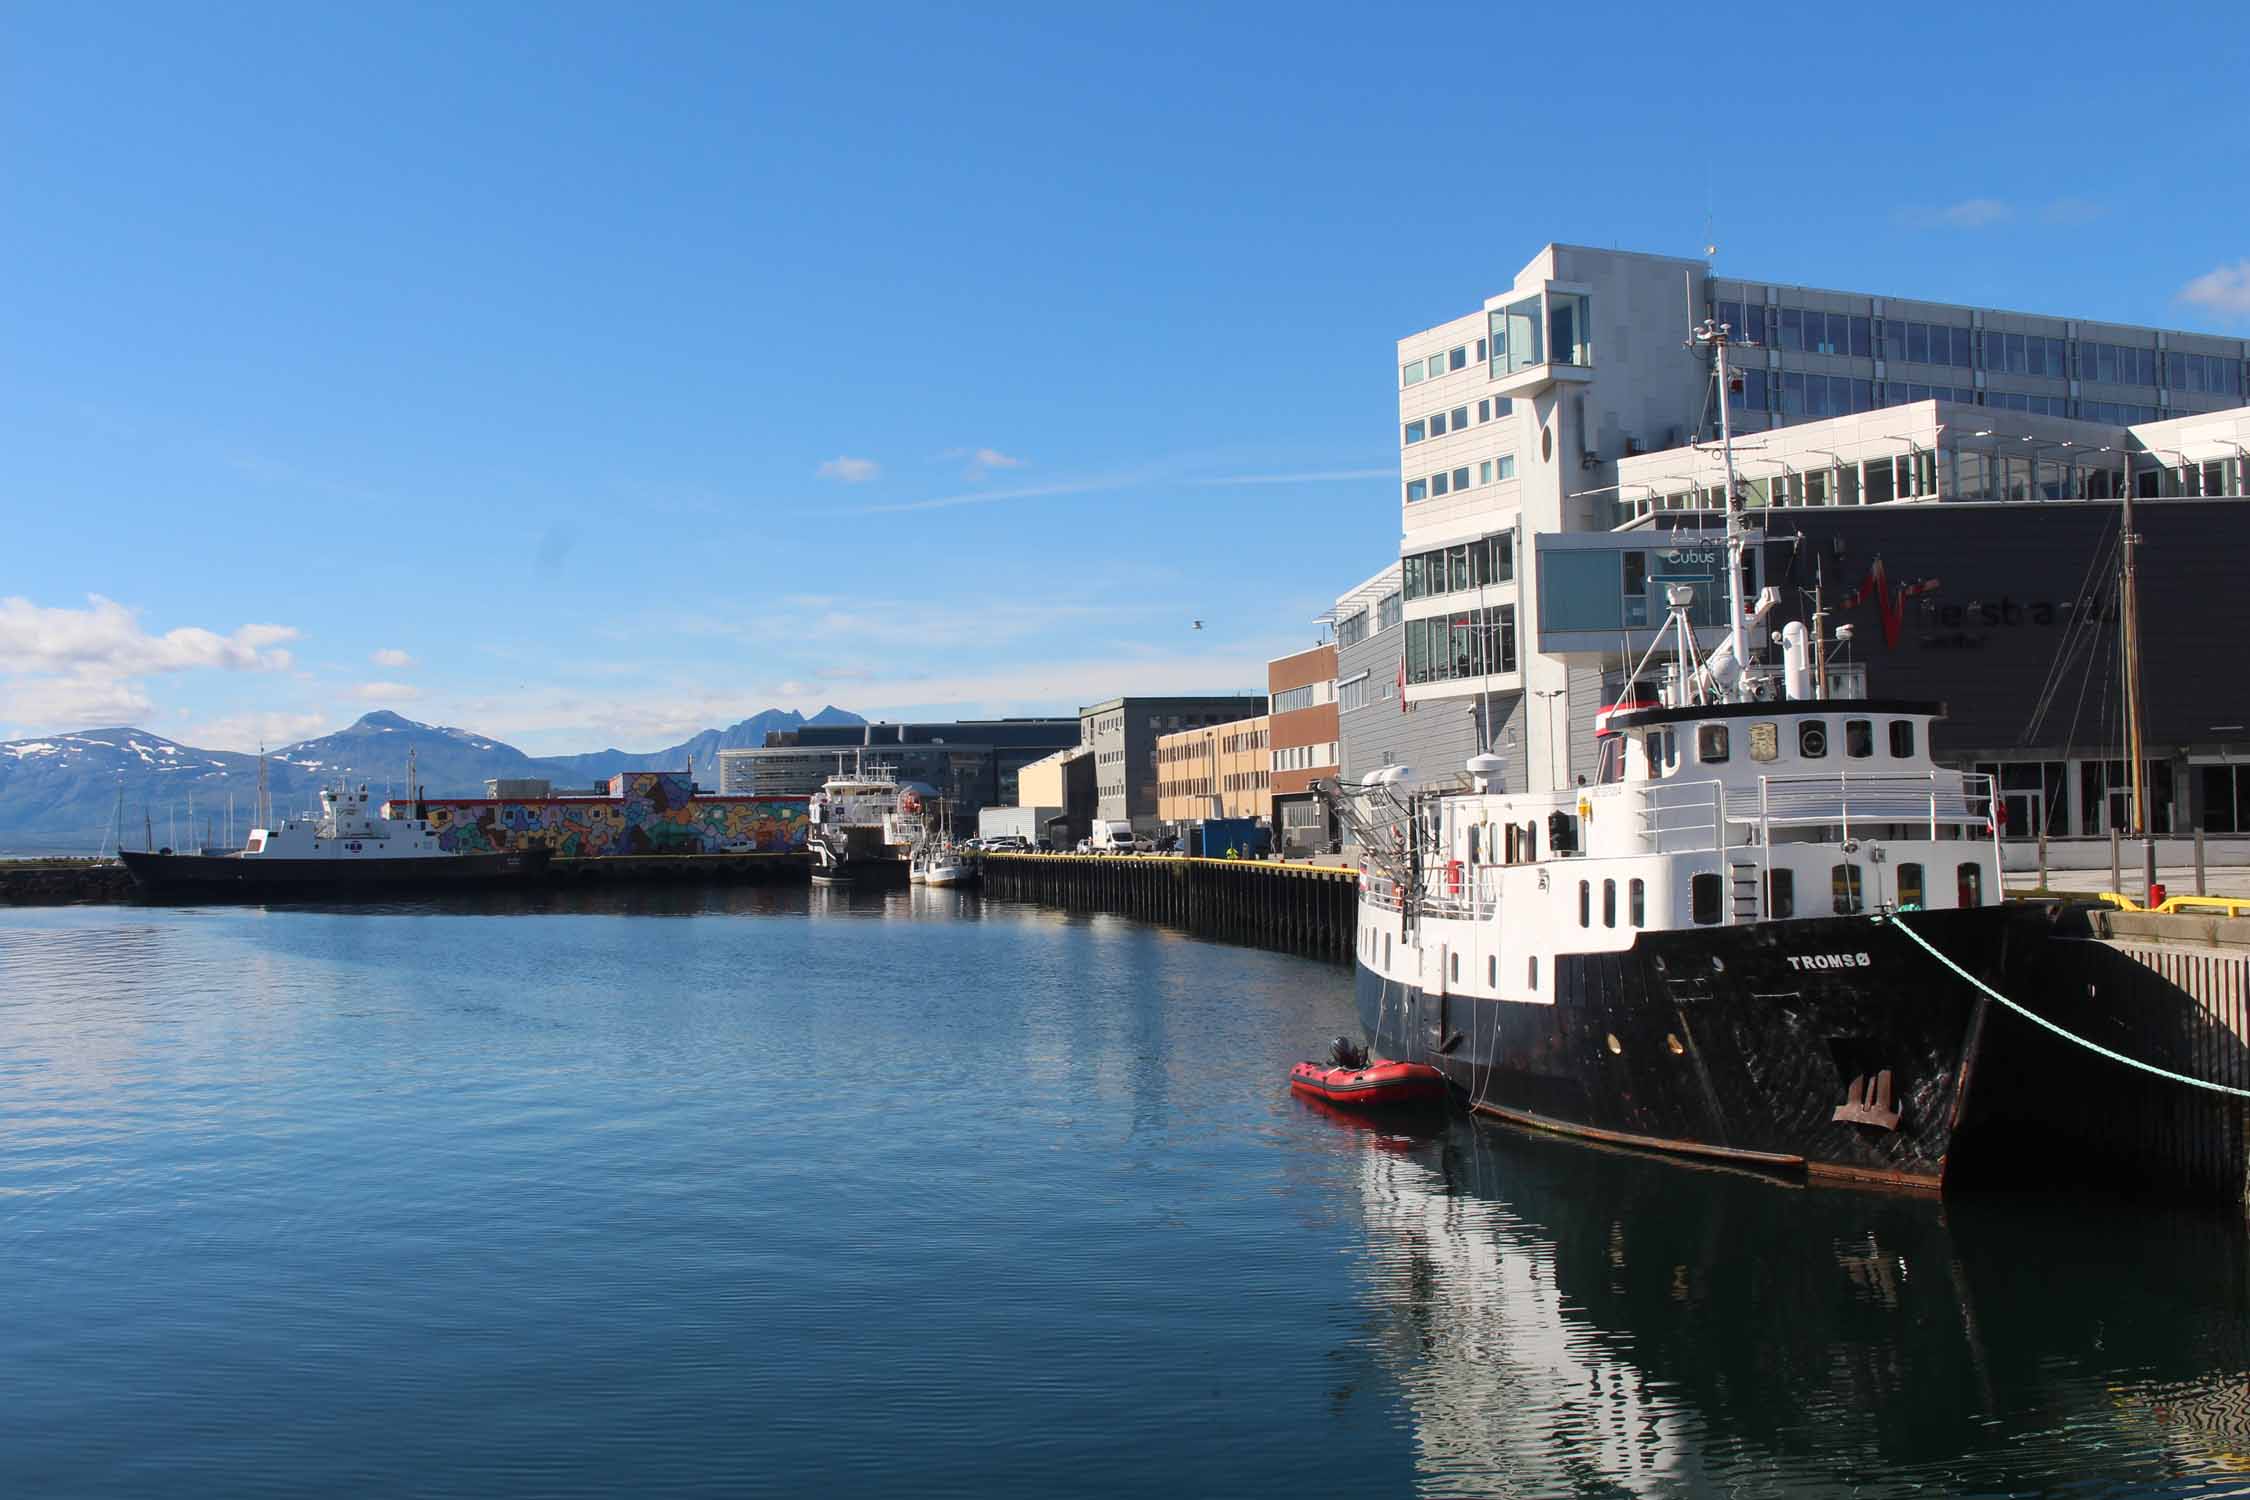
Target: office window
(1504,467)
(1480,351)
(1484,411)
(1417,489)
(1436,363)
(1439,483)
(1388,611)
(1416,431)
(1484,471)
(1730,313)
(1410,374)
(1437,424)
(1862,336)
(1457,359)
(1352,629)
(1351,695)
(1792,328)
(1460,417)
(1461,477)
(1918,343)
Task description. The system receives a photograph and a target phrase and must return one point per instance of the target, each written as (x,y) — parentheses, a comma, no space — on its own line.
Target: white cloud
(75,702)
(387,692)
(2073,211)
(1318,476)
(1018,492)
(851,470)
(2224,290)
(392,657)
(1969,213)
(106,639)
(247,731)
(68,668)
(993,458)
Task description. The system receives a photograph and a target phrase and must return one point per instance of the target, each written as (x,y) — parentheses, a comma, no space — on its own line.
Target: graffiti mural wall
(647,812)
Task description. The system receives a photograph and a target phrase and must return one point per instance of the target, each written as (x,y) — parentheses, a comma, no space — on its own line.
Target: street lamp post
(1558,771)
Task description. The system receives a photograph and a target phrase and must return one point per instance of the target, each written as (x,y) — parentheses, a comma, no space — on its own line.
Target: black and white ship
(864,826)
(348,848)
(1713,948)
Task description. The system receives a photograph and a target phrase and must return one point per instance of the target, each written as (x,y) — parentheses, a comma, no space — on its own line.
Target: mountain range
(63,789)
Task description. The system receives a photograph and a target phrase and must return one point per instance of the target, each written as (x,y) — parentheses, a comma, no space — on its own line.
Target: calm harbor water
(752,1191)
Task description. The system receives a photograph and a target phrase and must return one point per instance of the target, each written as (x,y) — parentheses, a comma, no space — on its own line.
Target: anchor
(1868,1102)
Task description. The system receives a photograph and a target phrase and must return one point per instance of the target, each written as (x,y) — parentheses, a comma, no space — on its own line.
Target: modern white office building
(1570,404)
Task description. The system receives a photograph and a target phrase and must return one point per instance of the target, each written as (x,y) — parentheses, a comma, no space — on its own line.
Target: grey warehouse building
(1122,734)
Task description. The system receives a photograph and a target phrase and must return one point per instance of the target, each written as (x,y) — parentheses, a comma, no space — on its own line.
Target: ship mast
(2129,606)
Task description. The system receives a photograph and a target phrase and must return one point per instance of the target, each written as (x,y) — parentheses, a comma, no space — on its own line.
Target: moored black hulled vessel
(346,850)
(1701,952)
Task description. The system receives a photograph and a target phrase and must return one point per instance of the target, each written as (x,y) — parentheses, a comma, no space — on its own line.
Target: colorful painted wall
(652,812)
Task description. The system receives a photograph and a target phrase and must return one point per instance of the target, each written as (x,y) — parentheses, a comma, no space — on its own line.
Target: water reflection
(1567,1319)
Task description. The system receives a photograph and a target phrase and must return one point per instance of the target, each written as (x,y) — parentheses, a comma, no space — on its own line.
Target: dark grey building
(972,762)
(1122,734)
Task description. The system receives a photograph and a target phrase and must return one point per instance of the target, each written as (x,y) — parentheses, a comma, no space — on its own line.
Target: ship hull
(1765,1044)
(264,875)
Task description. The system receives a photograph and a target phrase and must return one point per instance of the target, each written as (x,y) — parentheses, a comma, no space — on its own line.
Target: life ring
(1453,877)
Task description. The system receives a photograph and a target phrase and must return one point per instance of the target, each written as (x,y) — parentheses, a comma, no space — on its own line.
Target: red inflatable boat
(1380,1082)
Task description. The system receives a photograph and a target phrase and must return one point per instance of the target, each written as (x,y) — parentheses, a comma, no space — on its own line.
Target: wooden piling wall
(1308,909)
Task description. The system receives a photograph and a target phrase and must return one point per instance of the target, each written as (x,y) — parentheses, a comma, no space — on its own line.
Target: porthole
(1615,1045)
(1672,1045)
(1546,444)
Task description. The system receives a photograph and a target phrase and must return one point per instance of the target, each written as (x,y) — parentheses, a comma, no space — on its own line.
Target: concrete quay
(1296,908)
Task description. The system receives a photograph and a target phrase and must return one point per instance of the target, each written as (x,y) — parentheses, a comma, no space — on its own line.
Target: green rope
(2130,1062)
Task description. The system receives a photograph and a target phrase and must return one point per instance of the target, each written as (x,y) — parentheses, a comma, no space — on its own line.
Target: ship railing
(1686,817)
(1845,800)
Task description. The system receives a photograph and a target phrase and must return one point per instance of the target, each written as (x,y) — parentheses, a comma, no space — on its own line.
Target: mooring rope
(2068,1036)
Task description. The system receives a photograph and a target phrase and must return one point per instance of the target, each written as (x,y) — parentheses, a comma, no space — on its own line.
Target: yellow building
(1236,755)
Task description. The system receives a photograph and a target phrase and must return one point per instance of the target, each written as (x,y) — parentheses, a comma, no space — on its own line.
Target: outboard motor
(1343,1052)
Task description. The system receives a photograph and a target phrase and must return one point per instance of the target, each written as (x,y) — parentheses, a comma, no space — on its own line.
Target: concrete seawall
(1308,909)
(79,882)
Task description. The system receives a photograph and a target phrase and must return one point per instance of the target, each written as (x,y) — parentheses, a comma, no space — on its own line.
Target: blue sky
(589,375)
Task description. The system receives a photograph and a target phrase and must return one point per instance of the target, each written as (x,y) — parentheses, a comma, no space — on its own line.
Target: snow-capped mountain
(63,788)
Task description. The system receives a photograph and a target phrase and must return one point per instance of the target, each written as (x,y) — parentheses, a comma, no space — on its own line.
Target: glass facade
(1552,327)
(1463,644)
(1478,564)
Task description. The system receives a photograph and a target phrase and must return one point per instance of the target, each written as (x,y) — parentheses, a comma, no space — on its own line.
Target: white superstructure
(347,829)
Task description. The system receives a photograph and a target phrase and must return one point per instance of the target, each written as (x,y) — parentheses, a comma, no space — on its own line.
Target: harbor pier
(1307,909)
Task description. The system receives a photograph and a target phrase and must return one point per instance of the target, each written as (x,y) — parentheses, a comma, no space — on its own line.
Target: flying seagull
(1199,624)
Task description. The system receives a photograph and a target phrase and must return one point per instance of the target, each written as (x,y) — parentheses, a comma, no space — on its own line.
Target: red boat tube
(1380,1083)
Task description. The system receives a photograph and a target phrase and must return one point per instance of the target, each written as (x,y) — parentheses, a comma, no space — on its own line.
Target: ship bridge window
(1859,738)
(1812,738)
(1902,739)
(1704,892)
(1711,743)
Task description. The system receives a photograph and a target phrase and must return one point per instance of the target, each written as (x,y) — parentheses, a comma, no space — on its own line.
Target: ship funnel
(1796,660)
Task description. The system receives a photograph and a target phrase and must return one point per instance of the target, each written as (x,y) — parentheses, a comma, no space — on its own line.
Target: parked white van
(1111,837)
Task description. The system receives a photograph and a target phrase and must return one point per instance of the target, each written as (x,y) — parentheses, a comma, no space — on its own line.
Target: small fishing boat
(1353,1079)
